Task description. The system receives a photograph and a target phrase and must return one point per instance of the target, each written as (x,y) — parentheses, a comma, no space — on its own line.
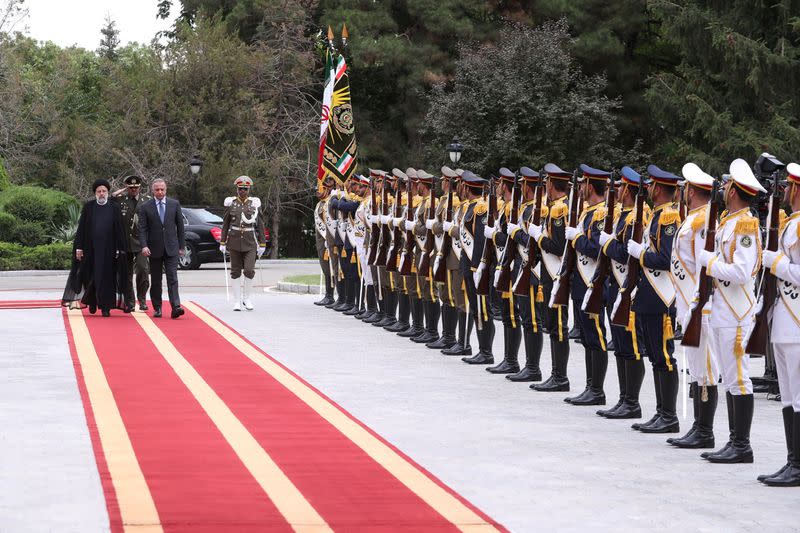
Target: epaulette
(617,210)
(784,218)
(501,205)
(481,207)
(669,215)
(558,210)
(415,201)
(228,201)
(746,225)
(699,221)
(507,210)
(599,213)
(630,219)
(545,212)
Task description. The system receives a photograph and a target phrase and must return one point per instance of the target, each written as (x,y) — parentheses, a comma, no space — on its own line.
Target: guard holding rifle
(430,304)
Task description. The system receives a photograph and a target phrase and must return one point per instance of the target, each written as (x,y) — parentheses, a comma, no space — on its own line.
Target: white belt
(240,228)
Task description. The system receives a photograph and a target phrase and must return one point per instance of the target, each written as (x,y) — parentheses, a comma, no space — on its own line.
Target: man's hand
(79,255)
(261,250)
(635,248)
(535,232)
(489,231)
(447,225)
(769,257)
(429,223)
(182,252)
(705,257)
(511,228)
(222,248)
(604,238)
(146,251)
(409,225)
(570,233)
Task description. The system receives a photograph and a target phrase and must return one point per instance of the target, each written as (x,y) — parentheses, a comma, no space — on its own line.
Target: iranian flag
(327,98)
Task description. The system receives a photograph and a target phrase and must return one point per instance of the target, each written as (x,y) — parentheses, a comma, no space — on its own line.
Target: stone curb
(299,288)
(23,273)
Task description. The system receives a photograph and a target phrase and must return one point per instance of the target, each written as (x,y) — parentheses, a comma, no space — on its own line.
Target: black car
(203,231)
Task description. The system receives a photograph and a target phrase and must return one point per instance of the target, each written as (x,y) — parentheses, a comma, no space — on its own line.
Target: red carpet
(220,440)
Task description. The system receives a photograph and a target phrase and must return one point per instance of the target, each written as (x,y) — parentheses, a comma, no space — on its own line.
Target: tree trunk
(275,234)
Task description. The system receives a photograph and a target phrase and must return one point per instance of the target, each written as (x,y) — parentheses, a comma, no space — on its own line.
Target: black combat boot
(485,338)
(657,387)
(341,295)
(703,434)
(667,422)
(431,333)
(558,381)
(533,352)
(587,361)
(731,427)
(790,475)
(449,324)
(596,394)
(461,347)
(403,313)
(390,299)
(739,451)
(512,337)
(788,431)
(328,299)
(622,384)
(371,304)
(380,310)
(693,394)
(417,325)
(634,375)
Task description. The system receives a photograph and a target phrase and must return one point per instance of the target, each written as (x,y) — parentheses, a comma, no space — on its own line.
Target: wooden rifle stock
(374,232)
(484,274)
(408,252)
(768,292)
(503,282)
(560,295)
(594,299)
(383,244)
(621,315)
(692,331)
(440,272)
(523,284)
(425,261)
(397,234)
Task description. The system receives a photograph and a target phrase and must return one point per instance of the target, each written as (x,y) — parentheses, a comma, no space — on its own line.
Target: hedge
(56,256)
(36,204)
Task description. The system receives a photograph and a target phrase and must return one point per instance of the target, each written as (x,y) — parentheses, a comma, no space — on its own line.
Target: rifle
(682,208)
(482,286)
(593,301)
(621,313)
(560,296)
(768,292)
(374,233)
(383,245)
(397,235)
(523,285)
(425,261)
(407,259)
(691,333)
(503,281)
(440,264)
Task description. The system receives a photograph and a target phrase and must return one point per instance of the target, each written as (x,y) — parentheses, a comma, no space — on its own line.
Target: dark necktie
(161,210)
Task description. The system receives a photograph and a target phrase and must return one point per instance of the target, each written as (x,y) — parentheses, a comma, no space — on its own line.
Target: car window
(207,216)
(185,220)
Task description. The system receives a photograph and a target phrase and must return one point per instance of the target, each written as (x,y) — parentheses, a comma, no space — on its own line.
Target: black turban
(99,182)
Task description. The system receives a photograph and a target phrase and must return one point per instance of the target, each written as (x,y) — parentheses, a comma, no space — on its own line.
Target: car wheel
(190,260)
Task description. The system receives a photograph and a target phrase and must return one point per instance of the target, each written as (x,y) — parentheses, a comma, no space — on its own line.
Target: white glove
(397,222)
(447,225)
(261,250)
(571,233)
(604,238)
(369,219)
(511,228)
(385,219)
(489,231)
(409,225)
(429,223)
(476,277)
(535,231)
(635,248)
(705,257)
(222,248)
(768,258)
(496,275)
(759,304)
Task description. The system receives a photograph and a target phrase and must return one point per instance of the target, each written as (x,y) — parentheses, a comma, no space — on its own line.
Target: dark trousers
(159,265)
(657,339)
(138,268)
(593,328)
(555,318)
(530,311)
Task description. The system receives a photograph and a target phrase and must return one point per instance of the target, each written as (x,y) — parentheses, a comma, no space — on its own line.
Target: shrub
(8,225)
(56,256)
(36,204)
(4,183)
(30,233)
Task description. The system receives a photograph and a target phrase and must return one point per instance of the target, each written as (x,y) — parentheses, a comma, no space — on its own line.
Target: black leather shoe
(333,303)
(142,305)
(128,309)
(325,301)
(385,322)
(177,311)
(605,412)
(92,309)
(479,358)
(426,338)
(526,374)
(397,327)
(156,312)
(505,367)
(662,425)
(352,311)
(574,333)
(105,312)
(706,455)
(375,317)
(412,331)
(579,397)
(553,384)
(344,306)
(626,410)
(790,477)
(673,440)
(637,426)
(764,477)
(442,343)
(699,438)
(457,349)
(735,453)
(594,397)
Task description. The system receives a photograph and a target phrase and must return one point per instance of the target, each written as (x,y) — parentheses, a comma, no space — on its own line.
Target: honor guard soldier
(472,241)
(627,340)
(129,200)
(320,234)
(410,282)
(785,265)
(449,251)
(530,307)
(358,233)
(700,361)
(551,239)
(399,283)
(374,230)
(243,238)
(733,266)
(386,278)
(585,237)
(654,303)
(425,279)
(345,203)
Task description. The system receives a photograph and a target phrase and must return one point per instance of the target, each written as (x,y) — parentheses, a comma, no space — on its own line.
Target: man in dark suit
(161,234)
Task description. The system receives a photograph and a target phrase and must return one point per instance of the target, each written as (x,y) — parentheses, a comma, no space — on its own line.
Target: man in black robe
(99,272)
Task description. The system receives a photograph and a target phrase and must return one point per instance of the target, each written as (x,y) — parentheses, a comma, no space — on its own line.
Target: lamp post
(195,165)
(454,150)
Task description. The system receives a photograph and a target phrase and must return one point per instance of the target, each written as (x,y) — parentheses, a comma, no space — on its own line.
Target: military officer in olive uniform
(138,265)
(243,238)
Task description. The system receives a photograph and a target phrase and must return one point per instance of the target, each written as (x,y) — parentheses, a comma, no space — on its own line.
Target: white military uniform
(359,234)
(736,262)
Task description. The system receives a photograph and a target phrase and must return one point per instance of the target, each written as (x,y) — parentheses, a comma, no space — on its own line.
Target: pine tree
(110,40)
(734,92)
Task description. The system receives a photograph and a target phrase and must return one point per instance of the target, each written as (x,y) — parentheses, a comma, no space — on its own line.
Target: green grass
(309,279)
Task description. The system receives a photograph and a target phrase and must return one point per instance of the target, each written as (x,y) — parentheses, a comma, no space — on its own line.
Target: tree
(4,183)
(12,12)
(110,40)
(524,101)
(734,92)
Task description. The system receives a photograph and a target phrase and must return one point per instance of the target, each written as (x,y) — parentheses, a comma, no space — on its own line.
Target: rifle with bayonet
(523,284)
(593,301)
(397,233)
(385,234)
(425,261)
(407,258)
(560,296)
(440,264)
(375,229)
(621,312)
(503,281)
(483,273)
